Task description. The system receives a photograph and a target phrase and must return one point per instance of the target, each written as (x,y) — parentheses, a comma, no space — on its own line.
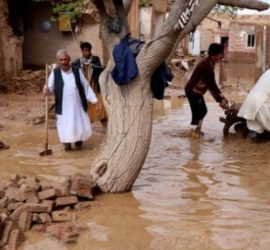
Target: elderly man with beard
(72,92)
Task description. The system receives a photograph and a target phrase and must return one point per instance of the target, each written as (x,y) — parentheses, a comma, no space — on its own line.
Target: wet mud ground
(206,193)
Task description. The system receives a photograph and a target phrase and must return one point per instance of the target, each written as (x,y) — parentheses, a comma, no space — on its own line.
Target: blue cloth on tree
(124,55)
(126,69)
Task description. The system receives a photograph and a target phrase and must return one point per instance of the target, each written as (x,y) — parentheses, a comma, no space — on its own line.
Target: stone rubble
(27,203)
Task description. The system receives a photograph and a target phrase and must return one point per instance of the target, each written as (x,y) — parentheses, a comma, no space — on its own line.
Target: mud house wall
(146,22)
(259,46)
(40,47)
(159,20)
(211,32)
(10,47)
(207,38)
(238,48)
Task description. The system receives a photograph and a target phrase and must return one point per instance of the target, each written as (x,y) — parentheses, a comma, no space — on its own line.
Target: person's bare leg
(196,133)
(198,130)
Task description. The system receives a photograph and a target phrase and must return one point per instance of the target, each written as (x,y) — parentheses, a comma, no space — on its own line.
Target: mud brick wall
(242,57)
(40,47)
(238,49)
(10,47)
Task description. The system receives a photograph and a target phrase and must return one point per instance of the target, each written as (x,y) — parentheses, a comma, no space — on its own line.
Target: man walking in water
(201,80)
(71,91)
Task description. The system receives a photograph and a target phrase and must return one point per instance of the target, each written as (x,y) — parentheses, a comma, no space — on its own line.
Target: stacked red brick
(28,203)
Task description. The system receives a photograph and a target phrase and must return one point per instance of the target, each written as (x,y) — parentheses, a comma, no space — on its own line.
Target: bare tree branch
(127,5)
(163,44)
(120,8)
(100,6)
(248,4)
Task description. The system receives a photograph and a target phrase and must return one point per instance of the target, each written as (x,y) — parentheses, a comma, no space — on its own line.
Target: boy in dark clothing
(201,80)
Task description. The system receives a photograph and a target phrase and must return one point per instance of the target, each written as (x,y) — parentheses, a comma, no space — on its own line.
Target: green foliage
(145,2)
(74,9)
(225,10)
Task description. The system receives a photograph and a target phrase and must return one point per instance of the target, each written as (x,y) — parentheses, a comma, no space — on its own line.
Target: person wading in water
(201,80)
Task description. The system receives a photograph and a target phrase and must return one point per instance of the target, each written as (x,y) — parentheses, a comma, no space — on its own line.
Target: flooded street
(209,193)
(203,194)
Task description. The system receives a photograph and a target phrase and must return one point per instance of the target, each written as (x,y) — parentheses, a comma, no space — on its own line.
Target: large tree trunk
(130,107)
(128,133)
(130,115)
(10,46)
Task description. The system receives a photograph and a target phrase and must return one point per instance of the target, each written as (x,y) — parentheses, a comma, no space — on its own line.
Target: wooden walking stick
(46,151)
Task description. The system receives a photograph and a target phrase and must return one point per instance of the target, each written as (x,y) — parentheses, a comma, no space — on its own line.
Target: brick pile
(27,203)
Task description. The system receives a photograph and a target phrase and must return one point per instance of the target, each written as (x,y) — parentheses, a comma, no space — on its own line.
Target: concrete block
(66,200)
(47,194)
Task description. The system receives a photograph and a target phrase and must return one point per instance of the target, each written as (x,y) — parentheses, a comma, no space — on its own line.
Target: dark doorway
(225,43)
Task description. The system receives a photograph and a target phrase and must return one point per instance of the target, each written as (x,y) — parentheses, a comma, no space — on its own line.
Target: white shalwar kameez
(73,124)
(256,107)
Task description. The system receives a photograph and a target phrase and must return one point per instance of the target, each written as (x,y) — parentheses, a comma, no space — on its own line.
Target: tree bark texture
(10,46)
(130,117)
(248,4)
(130,107)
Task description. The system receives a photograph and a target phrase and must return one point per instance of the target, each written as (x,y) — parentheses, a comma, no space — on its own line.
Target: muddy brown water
(207,193)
